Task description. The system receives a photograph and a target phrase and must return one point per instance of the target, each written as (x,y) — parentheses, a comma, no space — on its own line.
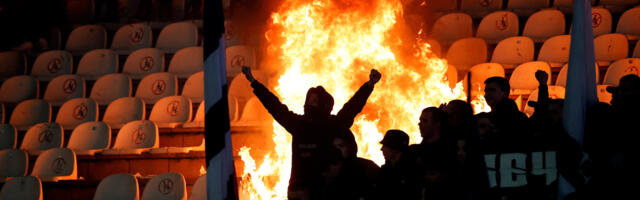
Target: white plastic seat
(467,52)
(621,68)
(13,63)
(526,7)
(124,110)
(523,79)
(63,88)
(636,51)
(131,37)
(628,23)
(562,76)
(610,47)
(169,112)
(167,186)
(30,112)
(117,186)
(513,51)
(452,27)
(51,64)
(86,38)
(111,87)
(77,111)
(9,136)
(497,26)
(98,62)
(194,87)
(15,163)
(143,62)
(22,188)
(199,189)
(198,120)
(19,88)
(41,137)
(481,72)
(238,56)
(240,91)
(89,138)
(56,164)
(254,113)
(555,92)
(186,62)
(603,95)
(176,36)
(555,50)
(601,21)
(157,85)
(544,24)
(478,9)
(135,137)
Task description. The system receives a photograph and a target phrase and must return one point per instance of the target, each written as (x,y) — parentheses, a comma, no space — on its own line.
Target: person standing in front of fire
(312,132)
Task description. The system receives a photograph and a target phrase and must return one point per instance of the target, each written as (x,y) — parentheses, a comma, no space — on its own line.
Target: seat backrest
(628,22)
(157,85)
(199,189)
(610,47)
(124,110)
(172,109)
(30,112)
(452,27)
(601,21)
(194,87)
(167,186)
(98,62)
(241,91)
(478,9)
(544,24)
(562,76)
(467,52)
(481,72)
(497,26)
(8,136)
(20,88)
(131,37)
(117,186)
(56,163)
(77,111)
(111,87)
(555,49)
(15,163)
(238,56)
(51,64)
(603,95)
(555,92)
(90,136)
(513,51)
(23,188)
(186,62)
(63,88)
(619,69)
(523,76)
(13,63)
(176,36)
(41,137)
(86,38)
(526,7)
(143,62)
(200,113)
(254,111)
(139,134)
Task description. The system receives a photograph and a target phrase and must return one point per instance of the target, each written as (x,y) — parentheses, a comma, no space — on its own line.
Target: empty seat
(562,76)
(194,87)
(479,9)
(254,113)
(51,64)
(157,85)
(497,26)
(13,63)
(198,120)
(513,51)
(19,88)
(555,92)
(135,137)
(176,36)
(610,47)
(601,21)
(89,138)
(171,111)
(169,186)
(63,88)
(186,62)
(111,87)
(15,163)
(143,62)
(117,186)
(41,137)
(523,79)
(22,188)
(86,38)
(241,91)
(526,7)
(199,189)
(131,37)
(452,27)
(8,136)
(544,24)
(30,112)
(467,52)
(603,95)
(628,23)
(481,72)
(636,51)
(555,50)
(124,110)
(98,62)
(621,68)
(56,164)
(238,56)
(77,111)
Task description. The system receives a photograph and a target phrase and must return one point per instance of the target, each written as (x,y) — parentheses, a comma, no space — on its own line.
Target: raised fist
(542,77)
(374,76)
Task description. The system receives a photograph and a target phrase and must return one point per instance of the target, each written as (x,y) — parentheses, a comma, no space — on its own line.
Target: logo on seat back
(158,87)
(136,35)
(596,19)
(503,23)
(55,65)
(58,165)
(237,61)
(80,112)
(172,108)
(46,136)
(69,85)
(165,186)
(138,136)
(146,63)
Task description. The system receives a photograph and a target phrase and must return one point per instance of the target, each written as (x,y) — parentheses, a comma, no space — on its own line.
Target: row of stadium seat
(479,8)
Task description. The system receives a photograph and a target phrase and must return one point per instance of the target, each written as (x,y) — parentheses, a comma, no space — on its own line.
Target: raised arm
(279,111)
(540,107)
(359,99)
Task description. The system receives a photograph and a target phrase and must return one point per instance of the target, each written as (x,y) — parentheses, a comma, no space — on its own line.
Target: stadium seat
(254,113)
(566,6)
(131,37)
(526,7)
(157,85)
(544,24)
(513,51)
(523,79)
(478,9)
(233,108)
(8,136)
(22,188)
(51,64)
(619,69)
(30,112)
(232,36)
(117,186)
(111,87)
(451,27)
(13,63)
(186,62)
(199,189)
(481,72)
(135,137)
(171,111)
(601,21)
(77,111)
(555,50)
(56,164)
(618,6)
(603,95)
(89,138)
(610,47)
(176,36)
(63,88)
(467,52)
(15,163)
(628,23)
(19,88)
(435,47)
(86,38)
(238,56)
(240,91)
(143,62)
(98,62)
(498,26)
(198,120)
(41,137)
(124,110)
(562,76)
(169,186)
(194,87)
(555,92)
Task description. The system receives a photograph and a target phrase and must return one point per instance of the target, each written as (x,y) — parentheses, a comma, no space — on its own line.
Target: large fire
(335,43)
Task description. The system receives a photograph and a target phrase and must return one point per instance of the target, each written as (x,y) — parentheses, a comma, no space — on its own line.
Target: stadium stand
(117,186)
(41,137)
(56,164)
(186,61)
(30,112)
(132,37)
(555,50)
(451,27)
(124,110)
(544,24)
(19,163)
(63,88)
(513,51)
(89,138)
(97,63)
(86,38)
(157,187)
(498,26)
(467,52)
(143,62)
(52,63)
(157,85)
(20,87)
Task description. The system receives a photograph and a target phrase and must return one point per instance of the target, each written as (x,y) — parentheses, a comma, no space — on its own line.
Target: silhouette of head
(459,113)
(627,94)
(432,120)
(318,103)
(496,89)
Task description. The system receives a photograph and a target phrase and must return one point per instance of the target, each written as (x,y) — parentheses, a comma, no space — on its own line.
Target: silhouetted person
(313,132)
(396,179)
(509,122)
(435,139)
